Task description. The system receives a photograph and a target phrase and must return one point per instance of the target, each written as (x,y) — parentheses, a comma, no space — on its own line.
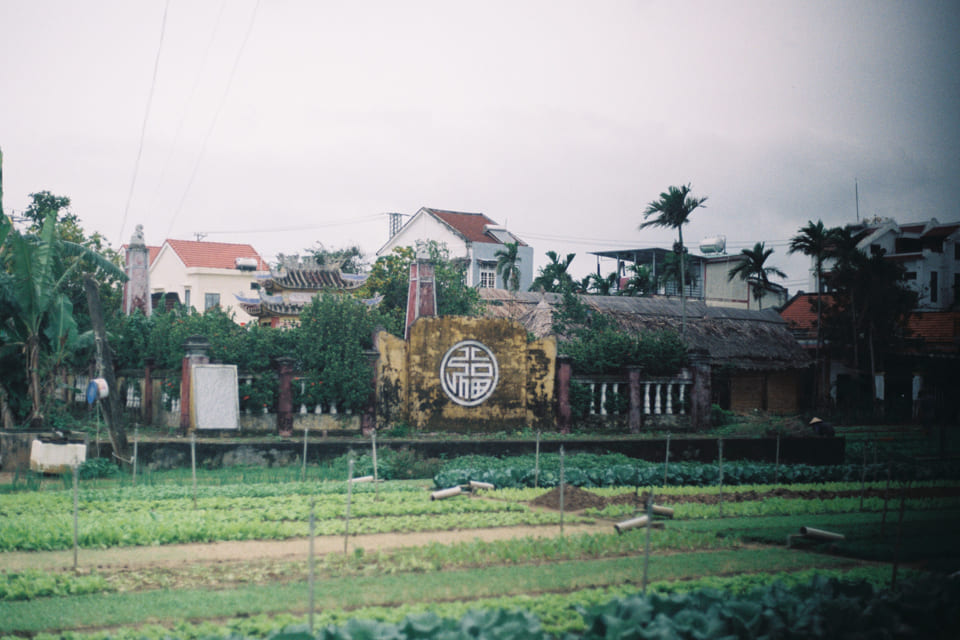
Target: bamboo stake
(561,490)
(720,452)
(776,463)
(136,441)
(886,499)
(346,528)
(313,521)
(193,465)
(536,464)
(666,461)
(76,511)
(646,544)
(303,468)
(376,483)
(863,476)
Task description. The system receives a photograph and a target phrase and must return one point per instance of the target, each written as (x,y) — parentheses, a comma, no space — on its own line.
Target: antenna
(200,236)
(856,193)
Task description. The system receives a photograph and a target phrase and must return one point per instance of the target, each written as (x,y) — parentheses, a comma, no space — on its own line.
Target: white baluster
(683,409)
(603,398)
(593,404)
(616,394)
(656,403)
(669,398)
(646,398)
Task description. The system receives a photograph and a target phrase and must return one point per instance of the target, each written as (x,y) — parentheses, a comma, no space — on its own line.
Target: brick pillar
(136,290)
(564,373)
(635,418)
(284,367)
(701,389)
(422,292)
(196,349)
(146,410)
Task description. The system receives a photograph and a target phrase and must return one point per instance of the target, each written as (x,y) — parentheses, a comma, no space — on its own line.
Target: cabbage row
(587,470)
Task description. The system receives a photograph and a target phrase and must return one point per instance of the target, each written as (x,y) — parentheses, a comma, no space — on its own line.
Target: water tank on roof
(246,264)
(716,244)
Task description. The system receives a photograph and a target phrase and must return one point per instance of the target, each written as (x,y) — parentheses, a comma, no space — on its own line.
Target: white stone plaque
(213,396)
(469,373)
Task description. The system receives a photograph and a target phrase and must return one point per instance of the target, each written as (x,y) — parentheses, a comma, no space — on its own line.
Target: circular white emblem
(469,373)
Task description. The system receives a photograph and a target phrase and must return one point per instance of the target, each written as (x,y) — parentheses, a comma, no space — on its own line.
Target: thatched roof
(738,338)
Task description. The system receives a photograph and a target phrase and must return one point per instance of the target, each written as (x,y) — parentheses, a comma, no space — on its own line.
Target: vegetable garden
(230,558)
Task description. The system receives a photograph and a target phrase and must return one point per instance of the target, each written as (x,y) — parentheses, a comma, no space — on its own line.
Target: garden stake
(886,498)
(376,484)
(313,508)
(536,464)
(863,475)
(561,490)
(875,460)
(646,545)
(193,464)
(346,529)
(303,469)
(76,509)
(666,462)
(720,452)
(896,547)
(776,463)
(136,439)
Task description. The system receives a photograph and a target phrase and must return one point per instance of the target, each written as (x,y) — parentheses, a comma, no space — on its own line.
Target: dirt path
(215,552)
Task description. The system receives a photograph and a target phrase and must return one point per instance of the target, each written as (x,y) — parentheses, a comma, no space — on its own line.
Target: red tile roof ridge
(214,255)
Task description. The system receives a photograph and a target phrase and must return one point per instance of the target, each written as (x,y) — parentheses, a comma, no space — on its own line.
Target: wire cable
(146,118)
(216,116)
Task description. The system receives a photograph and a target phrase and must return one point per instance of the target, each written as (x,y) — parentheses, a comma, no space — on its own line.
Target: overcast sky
(283,123)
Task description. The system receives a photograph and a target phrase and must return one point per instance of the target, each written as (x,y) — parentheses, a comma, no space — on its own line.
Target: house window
(186,297)
(956,251)
(488,276)
(211,300)
(933,286)
(910,275)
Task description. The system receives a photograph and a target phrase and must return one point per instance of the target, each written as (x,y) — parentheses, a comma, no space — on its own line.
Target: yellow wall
(409,385)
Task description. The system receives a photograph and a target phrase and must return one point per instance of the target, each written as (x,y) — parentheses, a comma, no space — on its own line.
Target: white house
(206,274)
(929,252)
(471,237)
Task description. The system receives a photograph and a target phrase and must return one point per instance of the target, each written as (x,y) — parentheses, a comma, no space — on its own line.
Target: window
(910,275)
(956,251)
(933,286)
(211,300)
(488,276)
(186,297)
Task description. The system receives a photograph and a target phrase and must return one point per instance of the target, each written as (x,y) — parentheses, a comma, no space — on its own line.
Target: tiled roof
(801,312)
(213,255)
(470,225)
(311,280)
(940,327)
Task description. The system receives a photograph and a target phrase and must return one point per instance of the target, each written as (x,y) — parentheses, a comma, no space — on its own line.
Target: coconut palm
(508,265)
(673,210)
(752,268)
(640,281)
(814,241)
(602,285)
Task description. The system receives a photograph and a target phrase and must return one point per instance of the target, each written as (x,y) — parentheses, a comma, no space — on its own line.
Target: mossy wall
(410,387)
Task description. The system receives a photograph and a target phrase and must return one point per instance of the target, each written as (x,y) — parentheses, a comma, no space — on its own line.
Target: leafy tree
(508,265)
(752,268)
(673,210)
(390,277)
(42,324)
(348,259)
(814,241)
(554,277)
(334,332)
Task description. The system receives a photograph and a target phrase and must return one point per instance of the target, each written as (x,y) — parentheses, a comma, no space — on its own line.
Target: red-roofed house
(471,237)
(206,274)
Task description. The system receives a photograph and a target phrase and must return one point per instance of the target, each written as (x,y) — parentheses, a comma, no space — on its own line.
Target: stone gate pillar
(564,412)
(635,417)
(701,390)
(284,367)
(147,409)
(197,349)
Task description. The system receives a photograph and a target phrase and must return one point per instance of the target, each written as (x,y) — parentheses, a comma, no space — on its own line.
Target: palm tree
(674,271)
(640,282)
(553,277)
(508,265)
(673,210)
(753,270)
(602,285)
(814,241)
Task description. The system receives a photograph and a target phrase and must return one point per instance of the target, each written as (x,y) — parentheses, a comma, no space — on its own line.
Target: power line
(146,117)
(275,229)
(216,116)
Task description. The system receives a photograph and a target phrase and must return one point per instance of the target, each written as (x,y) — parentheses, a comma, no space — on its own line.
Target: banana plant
(41,323)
